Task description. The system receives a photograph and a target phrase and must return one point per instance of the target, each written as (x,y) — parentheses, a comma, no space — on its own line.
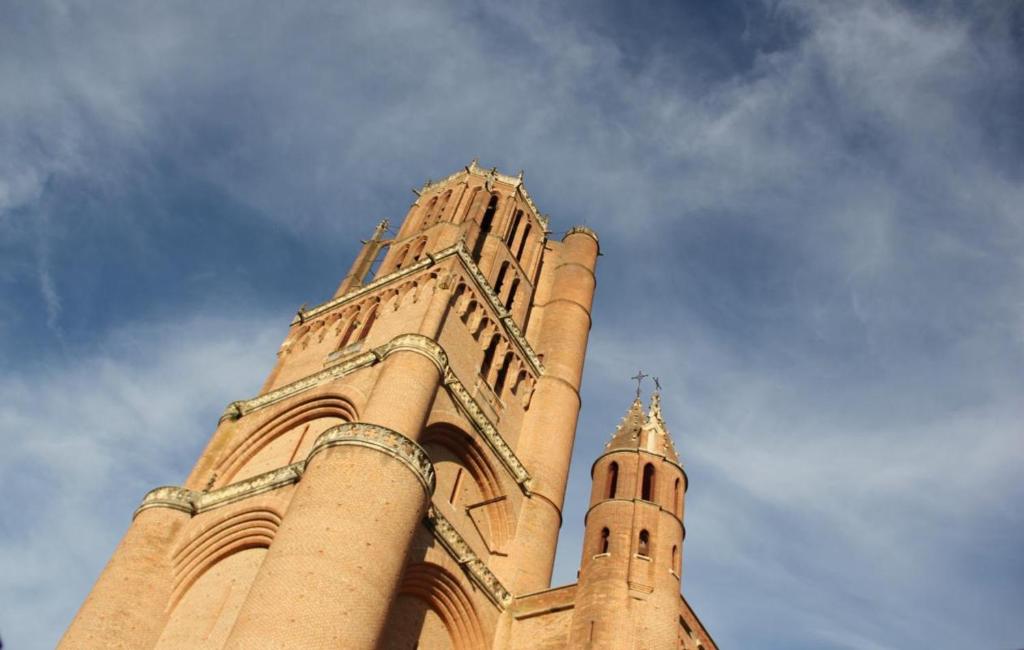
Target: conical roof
(647,432)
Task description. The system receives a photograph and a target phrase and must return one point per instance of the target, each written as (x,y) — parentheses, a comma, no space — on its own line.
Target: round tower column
(629,581)
(332,571)
(127,606)
(549,427)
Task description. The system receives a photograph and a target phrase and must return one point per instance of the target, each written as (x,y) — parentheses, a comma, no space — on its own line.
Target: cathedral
(399,480)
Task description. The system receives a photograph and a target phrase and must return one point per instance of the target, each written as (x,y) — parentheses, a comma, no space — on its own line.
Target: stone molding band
(193,503)
(410,342)
(380,438)
(464,555)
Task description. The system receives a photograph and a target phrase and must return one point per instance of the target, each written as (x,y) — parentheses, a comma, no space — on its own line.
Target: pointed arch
(499,380)
(511,298)
(368,322)
(612,485)
(486,222)
(647,486)
(489,352)
(248,528)
(677,501)
(285,431)
(443,206)
(514,228)
(499,281)
(522,243)
(472,456)
(643,546)
(428,588)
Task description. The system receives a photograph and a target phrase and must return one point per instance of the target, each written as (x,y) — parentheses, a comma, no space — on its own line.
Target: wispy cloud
(810,211)
(84,440)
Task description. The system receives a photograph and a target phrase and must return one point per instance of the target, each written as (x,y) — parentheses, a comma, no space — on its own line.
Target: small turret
(632,548)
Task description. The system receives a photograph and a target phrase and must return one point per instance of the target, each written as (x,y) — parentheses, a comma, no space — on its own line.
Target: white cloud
(84,440)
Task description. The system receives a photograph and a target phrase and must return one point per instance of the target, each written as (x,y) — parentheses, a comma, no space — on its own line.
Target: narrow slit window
(613,480)
(522,243)
(512,294)
(644,547)
(515,227)
(492,348)
(605,535)
(647,488)
(485,227)
(499,381)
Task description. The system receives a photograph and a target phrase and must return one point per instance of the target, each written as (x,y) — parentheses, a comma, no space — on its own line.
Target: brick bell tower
(629,585)
(402,471)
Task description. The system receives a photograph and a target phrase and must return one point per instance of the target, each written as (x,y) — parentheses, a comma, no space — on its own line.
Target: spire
(647,432)
(659,439)
(627,434)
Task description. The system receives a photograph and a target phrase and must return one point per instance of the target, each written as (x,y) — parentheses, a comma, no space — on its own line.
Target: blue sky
(813,233)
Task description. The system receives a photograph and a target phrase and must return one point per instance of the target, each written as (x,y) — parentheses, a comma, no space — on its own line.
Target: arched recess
(457,457)
(284,439)
(433,611)
(212,575)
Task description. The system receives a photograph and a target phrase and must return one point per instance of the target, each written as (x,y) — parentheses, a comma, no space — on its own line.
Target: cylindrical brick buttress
(127,606)
(550,425)
(335,565)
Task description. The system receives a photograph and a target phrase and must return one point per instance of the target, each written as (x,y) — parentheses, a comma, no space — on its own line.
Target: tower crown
(649,433)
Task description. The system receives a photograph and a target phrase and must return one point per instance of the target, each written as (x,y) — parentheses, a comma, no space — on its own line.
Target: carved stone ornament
(464,555)
(383,439)
(421,345)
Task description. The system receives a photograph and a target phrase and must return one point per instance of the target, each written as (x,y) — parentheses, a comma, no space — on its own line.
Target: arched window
(492,348)
(485,226)
(444,205)
(481,326)
(647,488)
(613,480)
(512,294)
(350,329)
(469,203)
(418,251)
(500,280)
(515,227)
(675,559)
(522,243)
(428,214)
(470,310)
(675,498)
(644,548)
(400,260)
(520,378)
(370,318)
(605,534)
(499,381)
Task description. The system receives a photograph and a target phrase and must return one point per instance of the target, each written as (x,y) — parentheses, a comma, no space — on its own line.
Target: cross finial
(639,378)
(657,384)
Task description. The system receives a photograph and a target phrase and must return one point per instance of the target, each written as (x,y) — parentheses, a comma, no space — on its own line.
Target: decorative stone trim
(272,480)
(584,230)
(194,503)
(416,343)
(419,344)
(236,410)
(480,421)
(459,250)
(473,168)
(168,496)
(383,439)
(503,315)
(464,555)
